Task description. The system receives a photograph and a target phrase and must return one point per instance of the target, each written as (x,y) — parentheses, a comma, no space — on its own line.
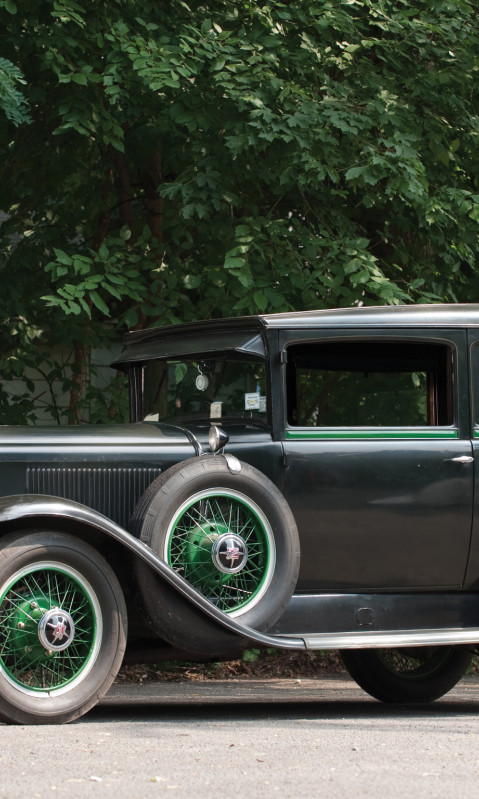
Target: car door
(378,457)
(472,574)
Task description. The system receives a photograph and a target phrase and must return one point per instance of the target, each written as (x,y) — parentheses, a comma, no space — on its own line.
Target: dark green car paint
(384,515)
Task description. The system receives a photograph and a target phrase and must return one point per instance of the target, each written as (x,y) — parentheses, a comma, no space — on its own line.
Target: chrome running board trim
(396,638)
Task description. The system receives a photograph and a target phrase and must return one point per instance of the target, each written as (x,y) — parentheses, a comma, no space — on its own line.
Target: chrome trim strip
(378,639)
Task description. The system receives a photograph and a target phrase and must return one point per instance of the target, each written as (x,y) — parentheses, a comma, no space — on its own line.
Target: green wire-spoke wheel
(222,543)
(412,674)
(231,535)
(62,627)
(51,627)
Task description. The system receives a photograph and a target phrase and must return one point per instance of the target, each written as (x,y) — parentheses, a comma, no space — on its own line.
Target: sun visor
(150,347)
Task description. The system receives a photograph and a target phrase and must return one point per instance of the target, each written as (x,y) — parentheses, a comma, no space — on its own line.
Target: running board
(396,638)
(377,639)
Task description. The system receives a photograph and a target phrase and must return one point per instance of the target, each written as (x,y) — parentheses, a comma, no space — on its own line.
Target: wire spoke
(24,659)
(191,549)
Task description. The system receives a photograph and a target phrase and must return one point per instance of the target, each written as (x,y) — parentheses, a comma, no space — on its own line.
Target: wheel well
(110,549)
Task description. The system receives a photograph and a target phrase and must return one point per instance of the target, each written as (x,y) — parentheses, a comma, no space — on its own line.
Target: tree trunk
(80,368)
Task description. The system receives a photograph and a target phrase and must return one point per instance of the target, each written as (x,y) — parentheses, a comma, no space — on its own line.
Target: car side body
(335,506)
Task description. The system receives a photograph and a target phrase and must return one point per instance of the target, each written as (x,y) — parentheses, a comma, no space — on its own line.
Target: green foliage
(12,101)
(197,159)
(251,655)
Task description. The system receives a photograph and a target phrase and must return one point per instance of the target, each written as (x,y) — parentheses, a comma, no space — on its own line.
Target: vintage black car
(300,481)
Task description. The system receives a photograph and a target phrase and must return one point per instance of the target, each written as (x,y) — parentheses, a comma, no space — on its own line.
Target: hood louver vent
(113,492)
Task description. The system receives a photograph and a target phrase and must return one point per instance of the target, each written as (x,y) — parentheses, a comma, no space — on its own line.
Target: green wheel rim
(202,520)
(27,601)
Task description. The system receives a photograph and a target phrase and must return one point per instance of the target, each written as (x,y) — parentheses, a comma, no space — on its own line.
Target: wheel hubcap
(56,630)
(229,553)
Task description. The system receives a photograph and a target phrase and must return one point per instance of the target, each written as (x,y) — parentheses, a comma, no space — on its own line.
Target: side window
(217,388)
(369,384)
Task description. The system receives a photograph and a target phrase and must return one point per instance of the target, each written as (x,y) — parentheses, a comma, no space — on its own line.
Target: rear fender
(26,509)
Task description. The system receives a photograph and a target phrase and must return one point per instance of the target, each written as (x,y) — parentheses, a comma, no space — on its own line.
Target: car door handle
(461,459)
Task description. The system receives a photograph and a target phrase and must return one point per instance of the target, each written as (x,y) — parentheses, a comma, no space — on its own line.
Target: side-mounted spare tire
(231,535)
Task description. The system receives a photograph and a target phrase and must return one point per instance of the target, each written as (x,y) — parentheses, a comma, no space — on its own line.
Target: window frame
(455,340)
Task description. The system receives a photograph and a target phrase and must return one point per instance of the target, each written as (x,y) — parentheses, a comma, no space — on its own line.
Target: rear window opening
(369,384)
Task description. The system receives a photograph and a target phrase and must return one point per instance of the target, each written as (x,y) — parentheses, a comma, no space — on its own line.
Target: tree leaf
(99,303)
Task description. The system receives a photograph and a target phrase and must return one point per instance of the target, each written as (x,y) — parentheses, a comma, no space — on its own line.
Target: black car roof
(245,334)
(466,315)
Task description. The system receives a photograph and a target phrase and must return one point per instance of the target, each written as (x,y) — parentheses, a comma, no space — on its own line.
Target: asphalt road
(285,738)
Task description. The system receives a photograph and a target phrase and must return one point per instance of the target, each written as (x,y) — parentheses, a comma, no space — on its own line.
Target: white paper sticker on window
(216,410)
(251,401)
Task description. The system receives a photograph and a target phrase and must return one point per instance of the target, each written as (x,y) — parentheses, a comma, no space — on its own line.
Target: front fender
(14,509)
